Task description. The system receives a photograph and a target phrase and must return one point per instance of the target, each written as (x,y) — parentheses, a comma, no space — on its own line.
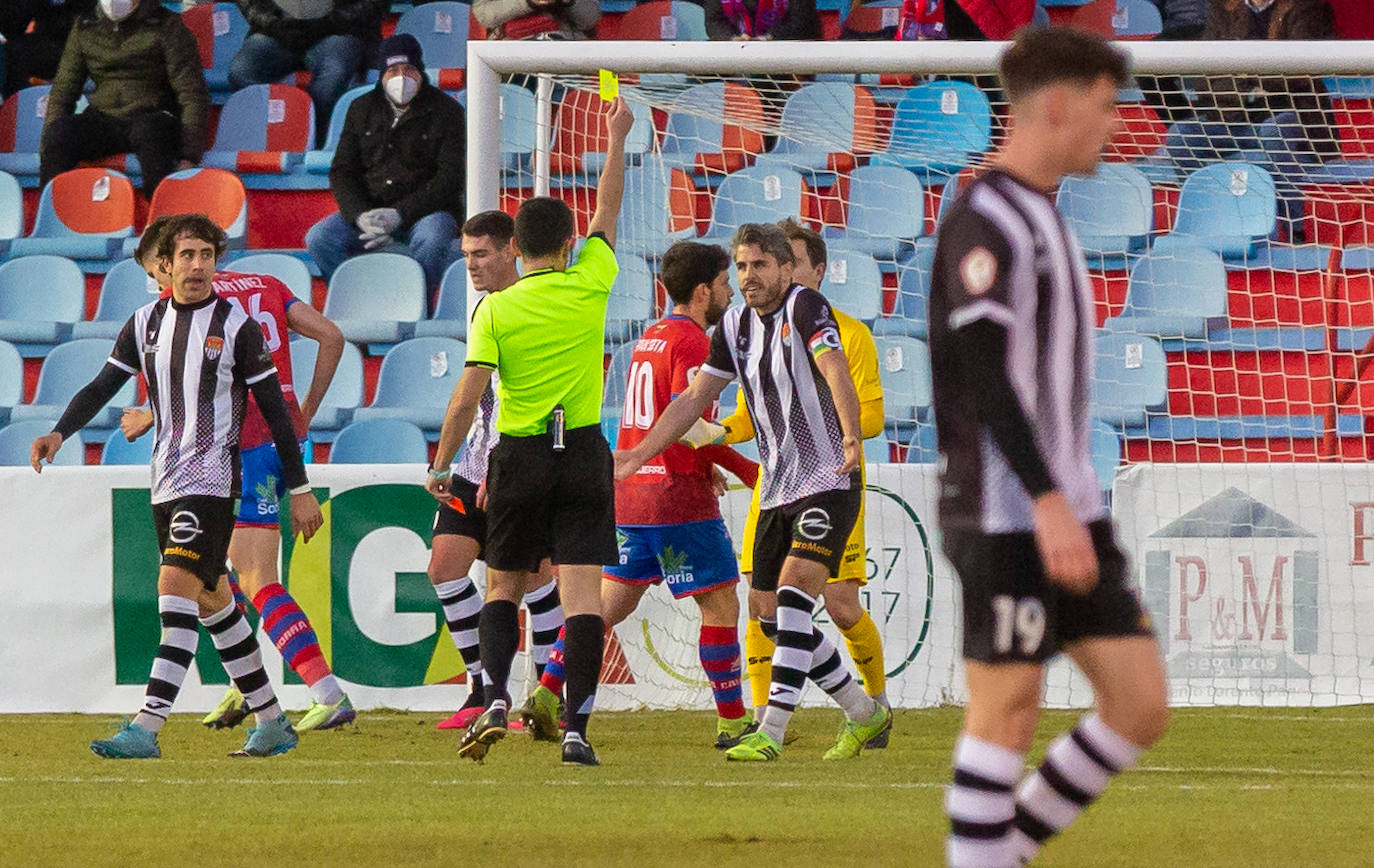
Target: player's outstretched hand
(626,463)
(305,515)
(44,447)
(1066,546)
(619,119)
(853,454)
(135,422)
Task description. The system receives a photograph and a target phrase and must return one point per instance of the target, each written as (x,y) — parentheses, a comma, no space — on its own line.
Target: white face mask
(1259,5)
(401,89)
(116,10)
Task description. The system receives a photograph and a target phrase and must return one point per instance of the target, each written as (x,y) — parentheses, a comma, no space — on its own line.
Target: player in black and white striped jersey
(200,356)
(1011,340)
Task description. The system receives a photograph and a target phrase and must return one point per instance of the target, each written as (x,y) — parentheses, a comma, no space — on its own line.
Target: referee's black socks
(498,635)
(583,646)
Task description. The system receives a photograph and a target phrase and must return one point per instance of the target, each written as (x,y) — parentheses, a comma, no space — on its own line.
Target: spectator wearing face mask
(398,171)
(149,97)
(34,32)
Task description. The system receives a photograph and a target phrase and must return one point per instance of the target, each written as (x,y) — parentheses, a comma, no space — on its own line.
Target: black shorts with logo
(461,516)
(547,504)
(1013,613)
(815,528)
(193,534)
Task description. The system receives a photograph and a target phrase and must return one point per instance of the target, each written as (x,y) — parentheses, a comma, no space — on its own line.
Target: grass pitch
(1251,787)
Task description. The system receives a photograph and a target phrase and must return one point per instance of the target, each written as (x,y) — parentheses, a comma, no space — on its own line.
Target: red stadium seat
(82,214)
(264,129)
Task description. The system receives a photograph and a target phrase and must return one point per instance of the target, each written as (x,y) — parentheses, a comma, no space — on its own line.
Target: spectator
(530,19)
(1183,19)
(398,171)
(1354,19)
(332,47)
(150,96)
(986,19)
(1286,119)
(762,19)
(34,32)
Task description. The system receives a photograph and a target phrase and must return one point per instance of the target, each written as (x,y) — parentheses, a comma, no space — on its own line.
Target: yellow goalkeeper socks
(866,648)
(758,653)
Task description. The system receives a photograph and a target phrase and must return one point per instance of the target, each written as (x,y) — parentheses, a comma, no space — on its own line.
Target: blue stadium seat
(1227,207)
(11,210)
(937,129)
(450,319)
(1180,293)
(886,211)
(345,393)
(519,112)
(631,304)
(83,214)
(40,298)
(380,441)
(877,450)
(11,379)
(290,270)
(21,127)
(118,450)
(640,139)
(695,138)
(376,297)
(904,371)
(674,21)
(1130,380)
(758,194)
(610,425)
(124,290)
(318,161)
(729,399)
(617,375)
(1111,211)
(416,382)
(263,129)
(818,121)
(16,439)
(1136,19)
(909,316)
(442,30)
(853,283)
(68,368)
(922,448)
(644,227)
(228,29)
(1106,449)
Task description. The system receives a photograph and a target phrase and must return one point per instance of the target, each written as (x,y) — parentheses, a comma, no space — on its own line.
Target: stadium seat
(68,368)
(579,133)
(318,162)
(617,375)
(21,130)
(82,214)
(11,210)
(376,297)
(1227,207)
(380,441)
(1140,133)
(923,448)
(263,129)
(700,137)
(656,210)
(442,30)
(1136,19)
(885,211)
(1111,211)
(904,370)
(416,382)
(1106,452)
(610,425)
(1130,379)
(758,194)
(118,450)
(667,20)
(877,450)
(289,269)
(937,129)
(16,439)
(124,290)
(519,112)
(853,283)
(909,316)
(1179,293)
(40,298)
(11,379)
(220,29)
(345,393)
(450,319)
(826,126)
(214,192)
(632,301)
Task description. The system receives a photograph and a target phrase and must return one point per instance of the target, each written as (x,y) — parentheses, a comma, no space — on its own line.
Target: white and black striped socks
(1078,767)
(242,659)
(546,619)
(981,804)
(462,609)
(174,655)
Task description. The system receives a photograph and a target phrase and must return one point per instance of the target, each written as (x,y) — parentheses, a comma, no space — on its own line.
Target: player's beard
(713,313)
(772,294)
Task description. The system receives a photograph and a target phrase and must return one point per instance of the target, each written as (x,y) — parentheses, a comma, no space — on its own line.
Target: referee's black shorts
(547,504)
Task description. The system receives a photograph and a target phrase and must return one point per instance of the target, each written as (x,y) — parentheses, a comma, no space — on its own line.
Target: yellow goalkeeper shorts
(854,567)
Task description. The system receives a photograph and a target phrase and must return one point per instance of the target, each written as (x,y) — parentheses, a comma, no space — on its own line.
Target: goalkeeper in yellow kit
(842,592)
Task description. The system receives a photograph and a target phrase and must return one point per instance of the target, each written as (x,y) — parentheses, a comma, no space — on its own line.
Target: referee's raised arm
(610,187)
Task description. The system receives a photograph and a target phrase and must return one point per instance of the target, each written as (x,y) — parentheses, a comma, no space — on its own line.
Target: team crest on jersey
(978,270)
(213,347)
(786,335)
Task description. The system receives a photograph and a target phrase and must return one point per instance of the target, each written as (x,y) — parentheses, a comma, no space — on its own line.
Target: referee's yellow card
(610,85)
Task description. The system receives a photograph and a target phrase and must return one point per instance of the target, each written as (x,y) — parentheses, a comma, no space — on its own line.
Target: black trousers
(154,137)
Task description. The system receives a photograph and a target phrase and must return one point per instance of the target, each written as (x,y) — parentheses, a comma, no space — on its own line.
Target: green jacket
(148,61)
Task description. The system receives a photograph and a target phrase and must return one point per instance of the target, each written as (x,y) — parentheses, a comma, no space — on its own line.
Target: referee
(1011,343)
(550,480)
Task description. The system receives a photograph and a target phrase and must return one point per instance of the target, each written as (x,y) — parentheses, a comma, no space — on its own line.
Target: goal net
(1225,236)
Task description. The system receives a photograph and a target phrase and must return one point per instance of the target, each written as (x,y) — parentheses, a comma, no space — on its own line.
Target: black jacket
(360,18)
(415,166)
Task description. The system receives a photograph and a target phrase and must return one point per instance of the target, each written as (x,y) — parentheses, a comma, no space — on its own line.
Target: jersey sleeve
(482,347)
(720,362)
(124,355)
(285,296)
(815,323)
(975,264)
(596,263)
(252,359)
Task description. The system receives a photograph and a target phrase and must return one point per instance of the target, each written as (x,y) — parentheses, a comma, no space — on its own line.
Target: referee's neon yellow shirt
(544,336)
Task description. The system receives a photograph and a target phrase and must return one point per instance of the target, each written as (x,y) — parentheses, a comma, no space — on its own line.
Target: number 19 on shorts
(1018,621)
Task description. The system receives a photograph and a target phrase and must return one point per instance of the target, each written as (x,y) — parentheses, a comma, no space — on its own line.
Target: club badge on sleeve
(978,270)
